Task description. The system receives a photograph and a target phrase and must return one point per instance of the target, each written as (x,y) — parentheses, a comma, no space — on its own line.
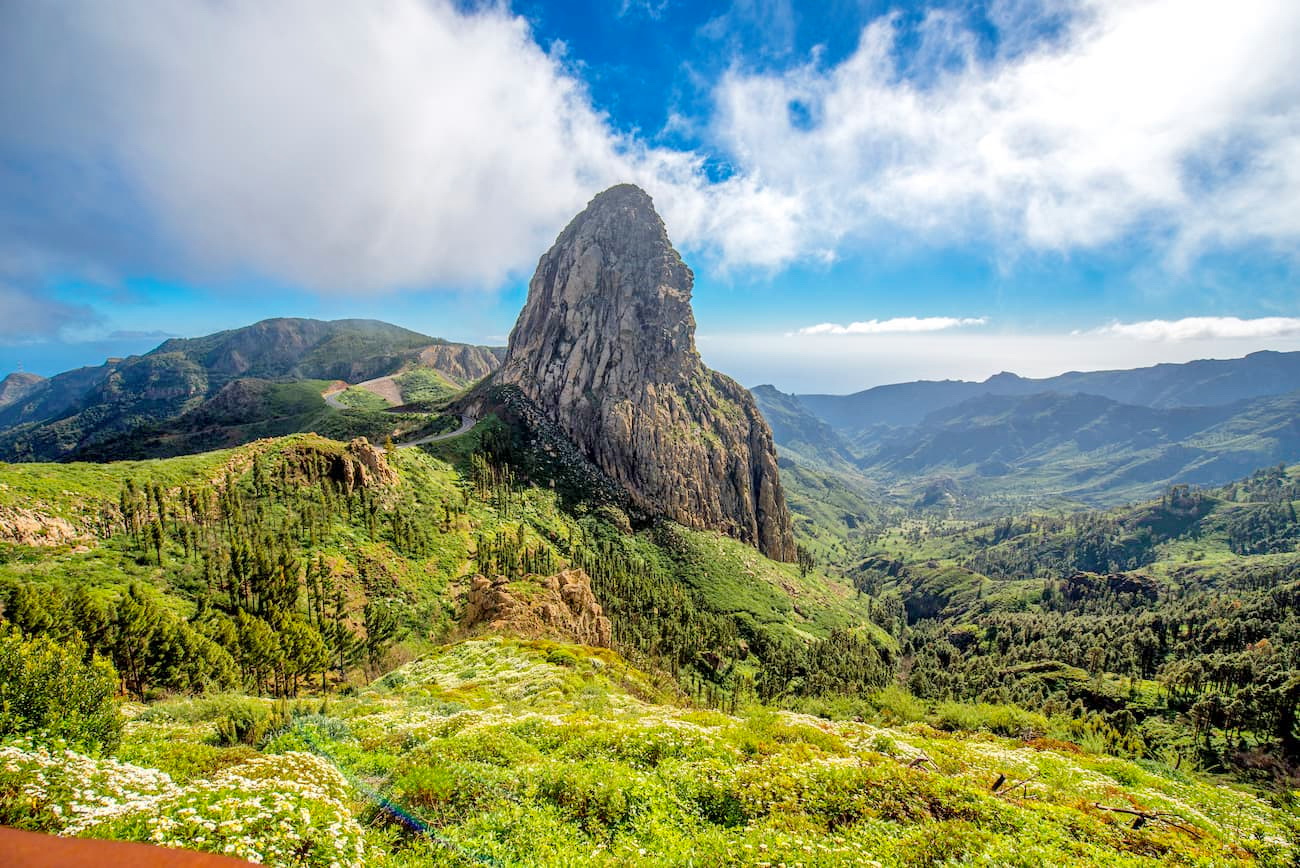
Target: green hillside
(264,380)
(238,649)
(1170,625)
(501,751)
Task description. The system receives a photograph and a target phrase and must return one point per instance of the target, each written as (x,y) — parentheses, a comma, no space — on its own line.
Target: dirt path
(384,387)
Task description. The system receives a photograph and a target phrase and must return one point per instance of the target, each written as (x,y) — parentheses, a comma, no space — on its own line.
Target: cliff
(605,346)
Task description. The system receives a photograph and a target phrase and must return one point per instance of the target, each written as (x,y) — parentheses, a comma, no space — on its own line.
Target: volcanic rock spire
(605,346)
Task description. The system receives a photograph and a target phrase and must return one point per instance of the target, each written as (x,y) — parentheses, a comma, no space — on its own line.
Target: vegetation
(1073,688)
(1166,631)
(222,390)
(503,751)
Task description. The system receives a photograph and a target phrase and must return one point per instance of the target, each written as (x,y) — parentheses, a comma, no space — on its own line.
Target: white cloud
(1204,328)
(348,146)
(897,325)
(1180,118)
(358,146)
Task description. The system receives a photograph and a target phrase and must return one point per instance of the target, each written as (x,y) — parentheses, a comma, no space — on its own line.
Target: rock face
(356,466)
(28,527)
(561,606)
(461,364)
(605,346)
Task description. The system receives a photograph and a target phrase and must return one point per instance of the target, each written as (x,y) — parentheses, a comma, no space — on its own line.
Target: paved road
(466,423)
(332,398)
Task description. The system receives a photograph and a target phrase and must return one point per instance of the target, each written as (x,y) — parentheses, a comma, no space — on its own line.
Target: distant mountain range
(1206,383)
(271,371)
(1100,437)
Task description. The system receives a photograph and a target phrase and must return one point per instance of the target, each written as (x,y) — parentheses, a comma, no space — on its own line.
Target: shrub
(562,657)
(597,795)
(250,723)
(898,706)
(455,790)
(1005,720)
(53,789)
(277,810)
(49,689)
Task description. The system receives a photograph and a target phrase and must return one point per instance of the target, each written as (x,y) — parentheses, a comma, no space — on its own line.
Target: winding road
(332,398)
(466,423)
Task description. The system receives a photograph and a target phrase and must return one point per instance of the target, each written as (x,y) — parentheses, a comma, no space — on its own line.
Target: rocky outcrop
(561,606)
(17,386)
(461,364)
(605,346)
(357,465)
(365,466)
(29,527)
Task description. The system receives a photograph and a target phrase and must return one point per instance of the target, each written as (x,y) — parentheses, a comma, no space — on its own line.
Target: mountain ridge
(85,408)
(1204,382)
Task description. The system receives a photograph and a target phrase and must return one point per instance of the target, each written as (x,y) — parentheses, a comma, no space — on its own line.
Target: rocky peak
(605,346)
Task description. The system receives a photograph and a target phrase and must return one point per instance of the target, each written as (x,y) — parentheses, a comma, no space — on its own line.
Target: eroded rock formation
(561,606)
(605,346)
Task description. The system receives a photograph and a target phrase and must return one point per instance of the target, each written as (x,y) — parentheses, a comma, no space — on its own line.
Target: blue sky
(867,191)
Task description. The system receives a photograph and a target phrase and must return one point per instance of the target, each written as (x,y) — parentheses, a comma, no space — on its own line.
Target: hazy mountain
(1086,446)
(1210,382)
(17,386)
(1101,437)
(799,434)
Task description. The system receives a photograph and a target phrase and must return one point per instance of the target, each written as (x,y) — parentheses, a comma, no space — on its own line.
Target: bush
(897,706)
(1005,720)
(48,689)
(250,723)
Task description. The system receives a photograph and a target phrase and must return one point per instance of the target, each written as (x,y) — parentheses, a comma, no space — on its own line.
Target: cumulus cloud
(1180,118)
(1205,327)
(897,325)
(347,147)
(359,146)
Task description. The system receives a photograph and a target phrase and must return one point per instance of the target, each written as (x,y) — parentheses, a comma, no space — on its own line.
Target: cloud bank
(897,325)
(1205,328)
(26,316)
(1174,116)
(346,147)
(361,146)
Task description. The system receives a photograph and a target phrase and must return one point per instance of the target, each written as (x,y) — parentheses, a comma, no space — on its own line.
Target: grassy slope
(728,576)
(529,753)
